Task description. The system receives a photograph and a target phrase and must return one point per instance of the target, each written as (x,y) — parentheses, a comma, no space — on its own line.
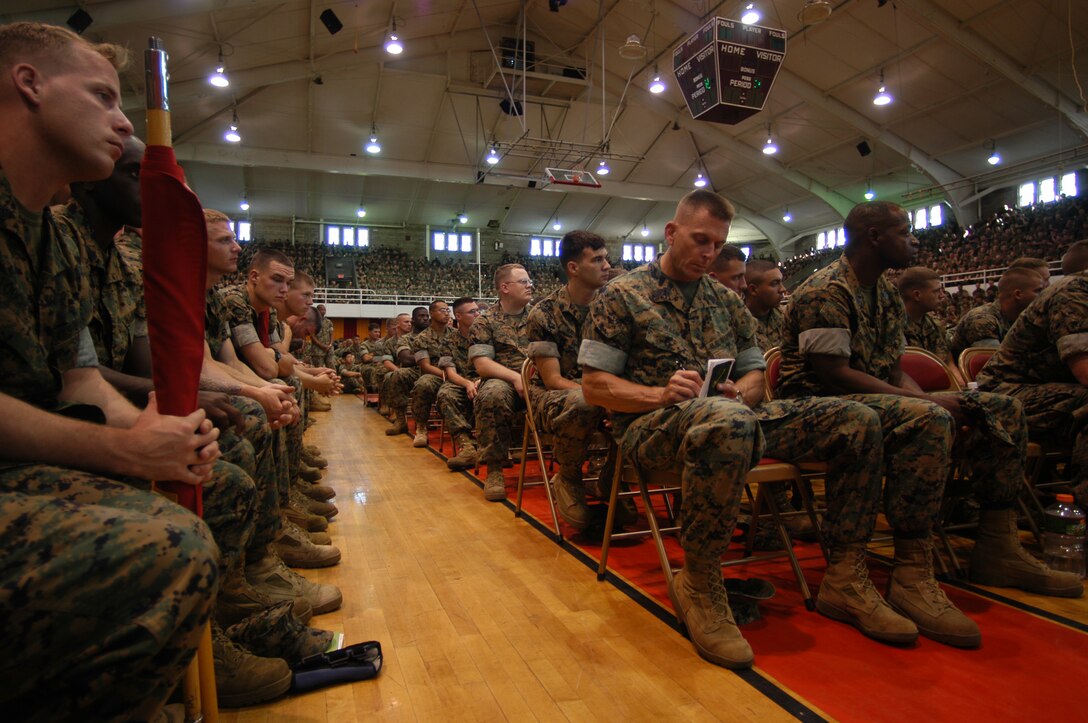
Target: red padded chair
(973,359)
(930,373)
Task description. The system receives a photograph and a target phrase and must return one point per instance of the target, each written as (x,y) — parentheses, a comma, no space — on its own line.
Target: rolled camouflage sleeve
(481,339)
(823,321)
(606,335)
(1068,320)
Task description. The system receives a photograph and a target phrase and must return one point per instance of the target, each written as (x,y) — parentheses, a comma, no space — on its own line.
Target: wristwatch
(276,354)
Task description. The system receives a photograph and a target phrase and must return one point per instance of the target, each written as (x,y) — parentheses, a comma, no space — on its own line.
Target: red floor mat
(1027,664)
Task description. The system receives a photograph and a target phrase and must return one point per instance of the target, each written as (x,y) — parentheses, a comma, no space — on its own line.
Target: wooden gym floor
(482,617)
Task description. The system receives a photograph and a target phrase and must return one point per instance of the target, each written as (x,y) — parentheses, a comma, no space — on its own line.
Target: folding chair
(1040,456)
(539,438)
(666,482)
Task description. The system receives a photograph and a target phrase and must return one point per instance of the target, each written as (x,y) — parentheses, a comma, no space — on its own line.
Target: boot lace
(719,599)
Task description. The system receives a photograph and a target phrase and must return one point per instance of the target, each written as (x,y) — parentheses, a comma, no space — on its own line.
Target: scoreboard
(726,69)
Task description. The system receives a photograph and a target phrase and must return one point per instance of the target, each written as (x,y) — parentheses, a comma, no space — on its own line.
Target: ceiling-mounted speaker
(330,21)
(511,108)
(79,21)
(864,149)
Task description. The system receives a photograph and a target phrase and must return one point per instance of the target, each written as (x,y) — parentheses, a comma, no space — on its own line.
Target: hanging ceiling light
(603,169)
(869,194)
(232,134)
(633,49)
(995,157)
(645,231)
(372,145)
(751,16)
(700,180)
(462,218)
(393,46)
(814,11)
(492,156)
(219,77)
(361,211)
(787,217)
(557,226)
(770,147)
(244,205)
(882,97)
(657,85)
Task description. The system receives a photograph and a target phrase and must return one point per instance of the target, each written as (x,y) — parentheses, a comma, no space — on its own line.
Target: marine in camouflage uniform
(372,370)
(981,326)
(641,328)
(928,333)
(352,384)
(503,338)
(555,331)
(397,392)
(432,346)
(318,357)
(842,330)
(452,399)
(115,298)
(770,328)
(105,589)
(1032,365)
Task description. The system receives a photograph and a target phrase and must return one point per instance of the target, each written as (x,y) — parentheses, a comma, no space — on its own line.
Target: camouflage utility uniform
(352,385)
(1032,366)
(115,299)
(928,333)
(502,338)
(432,347)
(318,356)
(398,385)
(981,326)
(832,314)
(770,328)
(373,371)
(555,331)
(453,401)
(642,329)
(105,589)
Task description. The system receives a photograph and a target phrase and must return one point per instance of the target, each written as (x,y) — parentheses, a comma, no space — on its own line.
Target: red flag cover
(175,246)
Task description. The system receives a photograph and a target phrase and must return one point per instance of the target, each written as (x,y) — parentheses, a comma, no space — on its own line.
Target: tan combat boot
(272,577)
(314,507)
(318,538)
(243,679)
(400,423)
(914,592)
(847,595)
(570,499)
(300,516)
(306,473)
(698,595)
(466,453)
(296,549)
(495,484)
(312,456)
(319,403)
(321,493)
(999,559)
(238,599)
(420,438)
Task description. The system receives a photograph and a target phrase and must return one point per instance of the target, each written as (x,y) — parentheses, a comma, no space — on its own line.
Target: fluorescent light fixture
(700,180)
(751,16)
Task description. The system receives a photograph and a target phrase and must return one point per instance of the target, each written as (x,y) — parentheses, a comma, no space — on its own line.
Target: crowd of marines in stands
(107,586)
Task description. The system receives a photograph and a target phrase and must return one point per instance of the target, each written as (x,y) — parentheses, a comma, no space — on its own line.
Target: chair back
(930,373)
(773,358)
(972,359)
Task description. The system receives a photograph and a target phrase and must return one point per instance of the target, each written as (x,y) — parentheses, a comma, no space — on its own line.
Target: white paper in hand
(717,371)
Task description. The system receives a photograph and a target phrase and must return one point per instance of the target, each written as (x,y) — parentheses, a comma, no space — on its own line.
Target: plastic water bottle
(1063,537)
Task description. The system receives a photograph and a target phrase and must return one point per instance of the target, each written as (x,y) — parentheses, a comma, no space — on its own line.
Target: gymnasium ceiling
(964,73)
